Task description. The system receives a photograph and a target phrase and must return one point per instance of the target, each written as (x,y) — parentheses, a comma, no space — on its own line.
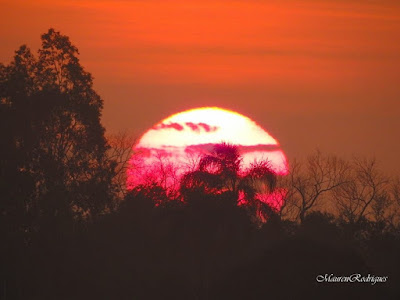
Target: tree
(363,193)
(216,172)
(286,196)
(54,162)
(120,151)
(221,173)
(395,192)
(158,180)
(311,181)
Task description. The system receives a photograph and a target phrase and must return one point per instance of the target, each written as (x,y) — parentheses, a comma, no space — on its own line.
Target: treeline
(351,191)
(70,229)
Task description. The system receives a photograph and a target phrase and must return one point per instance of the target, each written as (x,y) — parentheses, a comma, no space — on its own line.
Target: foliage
(221,172)
(54,161)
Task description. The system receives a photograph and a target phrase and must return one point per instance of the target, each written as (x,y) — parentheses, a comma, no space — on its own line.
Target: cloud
(197,127)
(175,126)
(259,147)
(201,148)
(201,126)
(207,148)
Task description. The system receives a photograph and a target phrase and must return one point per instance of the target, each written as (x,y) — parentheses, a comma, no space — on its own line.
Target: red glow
(173,146)
(274,199)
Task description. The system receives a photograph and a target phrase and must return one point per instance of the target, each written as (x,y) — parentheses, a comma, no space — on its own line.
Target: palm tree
(221,173)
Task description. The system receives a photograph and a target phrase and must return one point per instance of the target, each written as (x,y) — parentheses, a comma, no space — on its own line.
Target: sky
(314,74)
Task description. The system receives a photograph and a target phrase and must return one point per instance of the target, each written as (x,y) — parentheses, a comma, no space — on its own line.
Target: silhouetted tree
(394,194)
(54,162)
(311,181)
(363,193)
(221,172)
(120,151)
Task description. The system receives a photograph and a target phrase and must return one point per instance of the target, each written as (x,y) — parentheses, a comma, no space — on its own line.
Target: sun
(173,145)
(206,125)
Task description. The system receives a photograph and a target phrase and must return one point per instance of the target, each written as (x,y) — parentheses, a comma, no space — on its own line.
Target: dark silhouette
(70,229)
(222,173)
(54,169)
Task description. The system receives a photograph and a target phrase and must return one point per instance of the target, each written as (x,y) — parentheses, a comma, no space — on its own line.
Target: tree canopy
(53,154)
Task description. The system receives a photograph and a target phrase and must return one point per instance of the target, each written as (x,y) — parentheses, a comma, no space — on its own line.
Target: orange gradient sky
(313,73)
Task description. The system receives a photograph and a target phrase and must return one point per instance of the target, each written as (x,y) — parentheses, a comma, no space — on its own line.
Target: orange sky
(314,73)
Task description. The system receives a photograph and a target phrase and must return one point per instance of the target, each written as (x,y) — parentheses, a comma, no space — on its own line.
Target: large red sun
(174,144)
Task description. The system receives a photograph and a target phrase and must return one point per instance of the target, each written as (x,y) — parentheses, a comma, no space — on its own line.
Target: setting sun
(182,138)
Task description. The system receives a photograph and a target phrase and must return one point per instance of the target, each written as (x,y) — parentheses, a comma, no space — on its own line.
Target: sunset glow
(175,144)
(296,66)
